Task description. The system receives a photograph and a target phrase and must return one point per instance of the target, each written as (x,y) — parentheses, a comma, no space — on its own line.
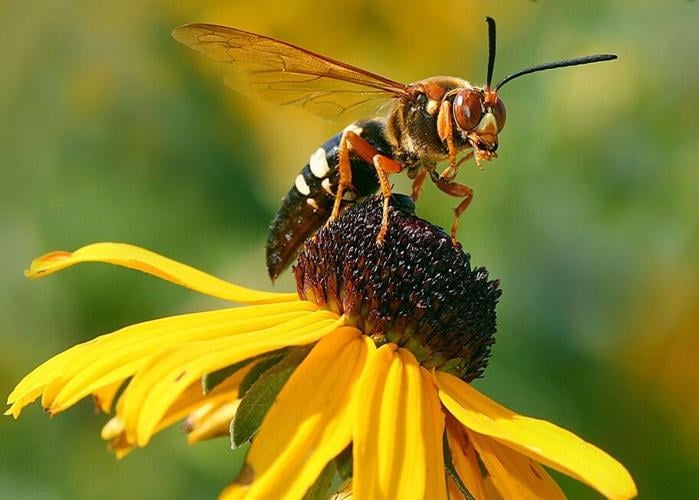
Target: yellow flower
(378,347)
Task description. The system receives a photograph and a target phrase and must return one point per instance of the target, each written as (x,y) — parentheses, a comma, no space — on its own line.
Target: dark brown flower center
(416,289)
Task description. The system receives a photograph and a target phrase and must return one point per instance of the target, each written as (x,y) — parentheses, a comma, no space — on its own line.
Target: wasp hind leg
(458,190)
(345,174)
(383,165)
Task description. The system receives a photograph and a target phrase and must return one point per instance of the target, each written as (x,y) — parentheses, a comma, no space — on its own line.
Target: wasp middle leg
(454,189)
(418,183)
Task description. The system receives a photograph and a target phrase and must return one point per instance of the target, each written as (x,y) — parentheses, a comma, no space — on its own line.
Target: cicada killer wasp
(441,119)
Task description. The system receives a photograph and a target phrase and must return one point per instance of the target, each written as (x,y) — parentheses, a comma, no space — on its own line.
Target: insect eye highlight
(467,109)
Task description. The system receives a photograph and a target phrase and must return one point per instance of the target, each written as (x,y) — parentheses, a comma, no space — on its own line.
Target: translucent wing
(286,74)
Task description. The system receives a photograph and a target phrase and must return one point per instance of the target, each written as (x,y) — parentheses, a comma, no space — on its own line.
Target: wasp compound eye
(499,113)
(417,289)
(467,109)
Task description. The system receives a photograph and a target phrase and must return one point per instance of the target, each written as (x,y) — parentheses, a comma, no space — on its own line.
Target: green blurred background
(111,131)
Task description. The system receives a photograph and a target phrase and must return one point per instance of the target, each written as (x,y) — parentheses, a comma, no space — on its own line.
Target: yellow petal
(160,381)
(109,359)
(104,397)
(398,428)
(433,435)
(194,400)
(453,490)
(34,383)
(464,458)
(212,415)
(514,475)
(119,355)
(491,492)
(211,421)
(538,439)
(113,431)
(191,401)
(309,424)
(133,257)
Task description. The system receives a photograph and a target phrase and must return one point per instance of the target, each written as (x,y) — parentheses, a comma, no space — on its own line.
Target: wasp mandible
(429,122)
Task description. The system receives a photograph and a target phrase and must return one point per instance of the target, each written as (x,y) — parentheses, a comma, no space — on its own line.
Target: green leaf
(343,464)
(211,380)
(333,478)
(256,371)
(323,488)
(261,395)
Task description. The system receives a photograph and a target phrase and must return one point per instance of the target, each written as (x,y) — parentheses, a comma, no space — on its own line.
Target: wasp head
(480,115)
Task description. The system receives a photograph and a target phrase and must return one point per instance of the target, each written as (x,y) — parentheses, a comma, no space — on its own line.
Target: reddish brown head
(480,112)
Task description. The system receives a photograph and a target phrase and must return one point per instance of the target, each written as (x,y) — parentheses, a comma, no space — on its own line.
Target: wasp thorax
(417,289)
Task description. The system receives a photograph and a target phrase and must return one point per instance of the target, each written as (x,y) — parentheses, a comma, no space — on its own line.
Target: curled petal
(140,259)
(515,476)
(544,442)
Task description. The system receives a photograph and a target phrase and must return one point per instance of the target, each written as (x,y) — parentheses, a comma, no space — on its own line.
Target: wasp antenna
(491,50)
(558,64)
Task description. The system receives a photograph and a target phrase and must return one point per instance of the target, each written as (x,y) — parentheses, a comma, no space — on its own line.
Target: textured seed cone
(417,289)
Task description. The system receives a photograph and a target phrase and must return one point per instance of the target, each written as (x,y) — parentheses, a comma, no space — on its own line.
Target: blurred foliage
(109,130)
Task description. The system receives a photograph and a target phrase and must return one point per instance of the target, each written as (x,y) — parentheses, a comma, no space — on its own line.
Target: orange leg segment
(454,189)
(345,175)
(383,165)
(418,182)
(445,130)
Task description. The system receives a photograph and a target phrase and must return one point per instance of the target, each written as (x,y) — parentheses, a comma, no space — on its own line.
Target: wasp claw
(381,236)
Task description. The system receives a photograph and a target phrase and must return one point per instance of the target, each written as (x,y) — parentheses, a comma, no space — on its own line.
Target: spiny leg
(345,175)
(384,166)
(454,189)
(450,172)
(366,152)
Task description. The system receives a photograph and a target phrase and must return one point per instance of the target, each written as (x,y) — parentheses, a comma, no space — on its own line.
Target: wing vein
(286,74)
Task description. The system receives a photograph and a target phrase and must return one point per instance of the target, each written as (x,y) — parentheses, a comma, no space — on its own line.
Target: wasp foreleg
(445,130)
(450,172)
(454,189)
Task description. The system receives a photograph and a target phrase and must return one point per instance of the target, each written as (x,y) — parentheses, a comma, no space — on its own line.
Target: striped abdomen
(307,205)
